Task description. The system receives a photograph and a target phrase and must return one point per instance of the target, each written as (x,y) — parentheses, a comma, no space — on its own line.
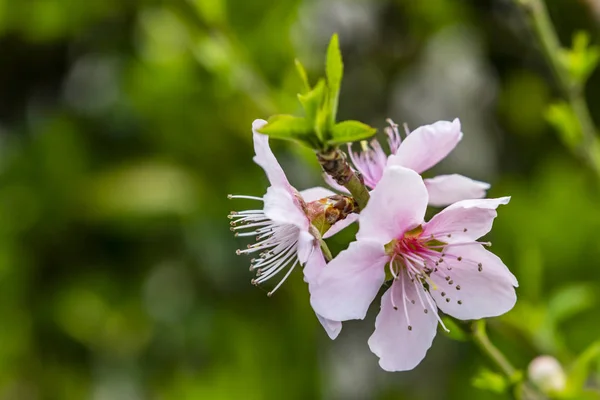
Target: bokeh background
(124,125)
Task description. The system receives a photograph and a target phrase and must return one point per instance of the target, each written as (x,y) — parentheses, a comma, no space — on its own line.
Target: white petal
(265,157)
(398,348)
(314,266)
(306,245)
(333,328)
(340,225)
(350,282)
(397,204)
(447,189)
(427,145)
(315,193)
(486,293)
(466,220)
(282,207)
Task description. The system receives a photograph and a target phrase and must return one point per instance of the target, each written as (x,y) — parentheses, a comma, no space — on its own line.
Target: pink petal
(427,145)
(466,220)
(398,348)
(333,328)
(350,282)
(486,293)
(312,269)
(448,189)
(397,204)
(340,225)
(315,193)
(265,157)
(281,206)
(306,245)
(314,265)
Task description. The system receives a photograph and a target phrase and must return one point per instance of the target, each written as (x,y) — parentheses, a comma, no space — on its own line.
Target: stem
(546,34)
(334,163)
(326,251)
(481,339)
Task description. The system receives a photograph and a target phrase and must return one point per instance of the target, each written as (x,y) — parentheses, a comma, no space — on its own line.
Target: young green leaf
(350,131)
(289,127)
(579,371)
(334,70)
(302,74)
(313,101)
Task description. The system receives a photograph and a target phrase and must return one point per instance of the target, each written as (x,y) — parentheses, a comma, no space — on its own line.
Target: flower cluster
(426,266)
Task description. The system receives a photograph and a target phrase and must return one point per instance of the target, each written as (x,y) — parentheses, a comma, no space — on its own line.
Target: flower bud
(547,373)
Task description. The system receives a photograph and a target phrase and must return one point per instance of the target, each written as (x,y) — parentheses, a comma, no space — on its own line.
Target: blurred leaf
(350,131)
(571,300)
(334,70)
(580,370)
(488,380)
(581,60)
(456,332)
(562,117)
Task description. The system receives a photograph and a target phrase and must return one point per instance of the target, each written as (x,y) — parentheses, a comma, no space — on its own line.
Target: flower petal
(315,193)
(314,265)
(281,206)
(486,293)
(340,225)
(466,220)
(350,282)
(333,328)
(306,246)
(265,157)
(398,348)
(448,189)
(396,205)
(427,145)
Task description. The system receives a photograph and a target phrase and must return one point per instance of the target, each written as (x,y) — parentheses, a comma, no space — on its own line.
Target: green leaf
(580,370)
(302,74)
(456,332)
(562,117)
(488,380)
(350,131)
(581,60)
(289,127)
(571,300)
(312,102)
(334,70)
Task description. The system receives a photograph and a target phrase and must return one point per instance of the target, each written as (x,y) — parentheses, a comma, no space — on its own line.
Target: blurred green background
(125,123)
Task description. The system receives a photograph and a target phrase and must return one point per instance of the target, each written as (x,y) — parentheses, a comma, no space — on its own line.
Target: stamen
(241,196)
(404,297)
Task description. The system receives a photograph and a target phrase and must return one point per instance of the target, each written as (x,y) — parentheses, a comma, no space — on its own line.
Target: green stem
(325,249)
(481,339)
(546,34)
(358,191)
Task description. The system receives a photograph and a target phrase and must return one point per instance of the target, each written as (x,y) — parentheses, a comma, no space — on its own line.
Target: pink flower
(438,264)
(421,150)
(284,235)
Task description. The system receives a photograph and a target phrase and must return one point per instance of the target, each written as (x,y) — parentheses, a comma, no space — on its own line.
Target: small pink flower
(283,232)
(422,149)
(438,264)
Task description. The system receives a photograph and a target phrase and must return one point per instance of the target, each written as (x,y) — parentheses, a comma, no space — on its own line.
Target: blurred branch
(481,339)
(573,91)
